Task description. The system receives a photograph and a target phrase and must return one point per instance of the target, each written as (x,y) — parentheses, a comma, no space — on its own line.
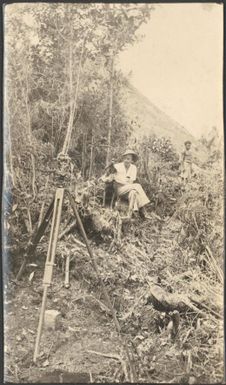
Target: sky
(178,65)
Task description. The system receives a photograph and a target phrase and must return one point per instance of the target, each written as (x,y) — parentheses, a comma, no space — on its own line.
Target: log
(165,302)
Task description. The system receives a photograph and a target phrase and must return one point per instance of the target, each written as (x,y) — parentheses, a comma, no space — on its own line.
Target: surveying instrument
(49,264)
(54,213)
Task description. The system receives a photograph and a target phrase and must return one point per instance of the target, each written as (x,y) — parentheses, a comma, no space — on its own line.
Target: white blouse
(124,176)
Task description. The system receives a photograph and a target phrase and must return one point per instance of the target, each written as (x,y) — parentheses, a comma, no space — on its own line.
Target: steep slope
(147,119)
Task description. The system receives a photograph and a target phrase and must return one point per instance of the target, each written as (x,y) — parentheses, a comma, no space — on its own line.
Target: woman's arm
(109,173)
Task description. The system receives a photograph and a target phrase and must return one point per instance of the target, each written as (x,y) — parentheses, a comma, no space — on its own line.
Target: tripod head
(64,171)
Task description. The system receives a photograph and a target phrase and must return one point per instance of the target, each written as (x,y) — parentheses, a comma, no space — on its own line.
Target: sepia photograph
(113,193)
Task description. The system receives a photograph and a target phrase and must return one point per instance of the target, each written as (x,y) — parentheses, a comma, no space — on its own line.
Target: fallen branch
(115,357)
(217,268)
(102,305)
(108,355)
(79,243)
(66,231)
(214,313)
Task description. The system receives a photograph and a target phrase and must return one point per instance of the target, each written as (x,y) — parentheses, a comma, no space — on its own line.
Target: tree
(63,91)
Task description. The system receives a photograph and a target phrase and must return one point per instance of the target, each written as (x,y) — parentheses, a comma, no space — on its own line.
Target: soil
(80,349)
(83,327)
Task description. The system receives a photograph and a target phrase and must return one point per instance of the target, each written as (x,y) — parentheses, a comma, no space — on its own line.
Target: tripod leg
(40,323)
(43,225)
(74,208)
(35,239)
(49,262)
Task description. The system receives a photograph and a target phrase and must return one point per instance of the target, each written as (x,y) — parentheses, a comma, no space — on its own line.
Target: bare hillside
(149,119)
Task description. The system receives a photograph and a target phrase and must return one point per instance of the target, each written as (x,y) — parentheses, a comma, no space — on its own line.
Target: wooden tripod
(55,211)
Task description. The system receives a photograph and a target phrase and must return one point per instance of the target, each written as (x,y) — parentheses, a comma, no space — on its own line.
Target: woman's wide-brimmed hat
(131,152)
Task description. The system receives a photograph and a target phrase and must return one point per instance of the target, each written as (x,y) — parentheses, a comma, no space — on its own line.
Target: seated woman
(124,176)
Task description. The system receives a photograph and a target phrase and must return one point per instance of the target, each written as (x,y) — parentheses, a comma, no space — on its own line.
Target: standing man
(186,162)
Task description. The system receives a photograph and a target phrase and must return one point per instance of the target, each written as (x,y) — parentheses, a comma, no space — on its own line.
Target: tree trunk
(29,130)
(91,155)
(43,204)
(84,156)
(110,109)
(73,100)
(146,165)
